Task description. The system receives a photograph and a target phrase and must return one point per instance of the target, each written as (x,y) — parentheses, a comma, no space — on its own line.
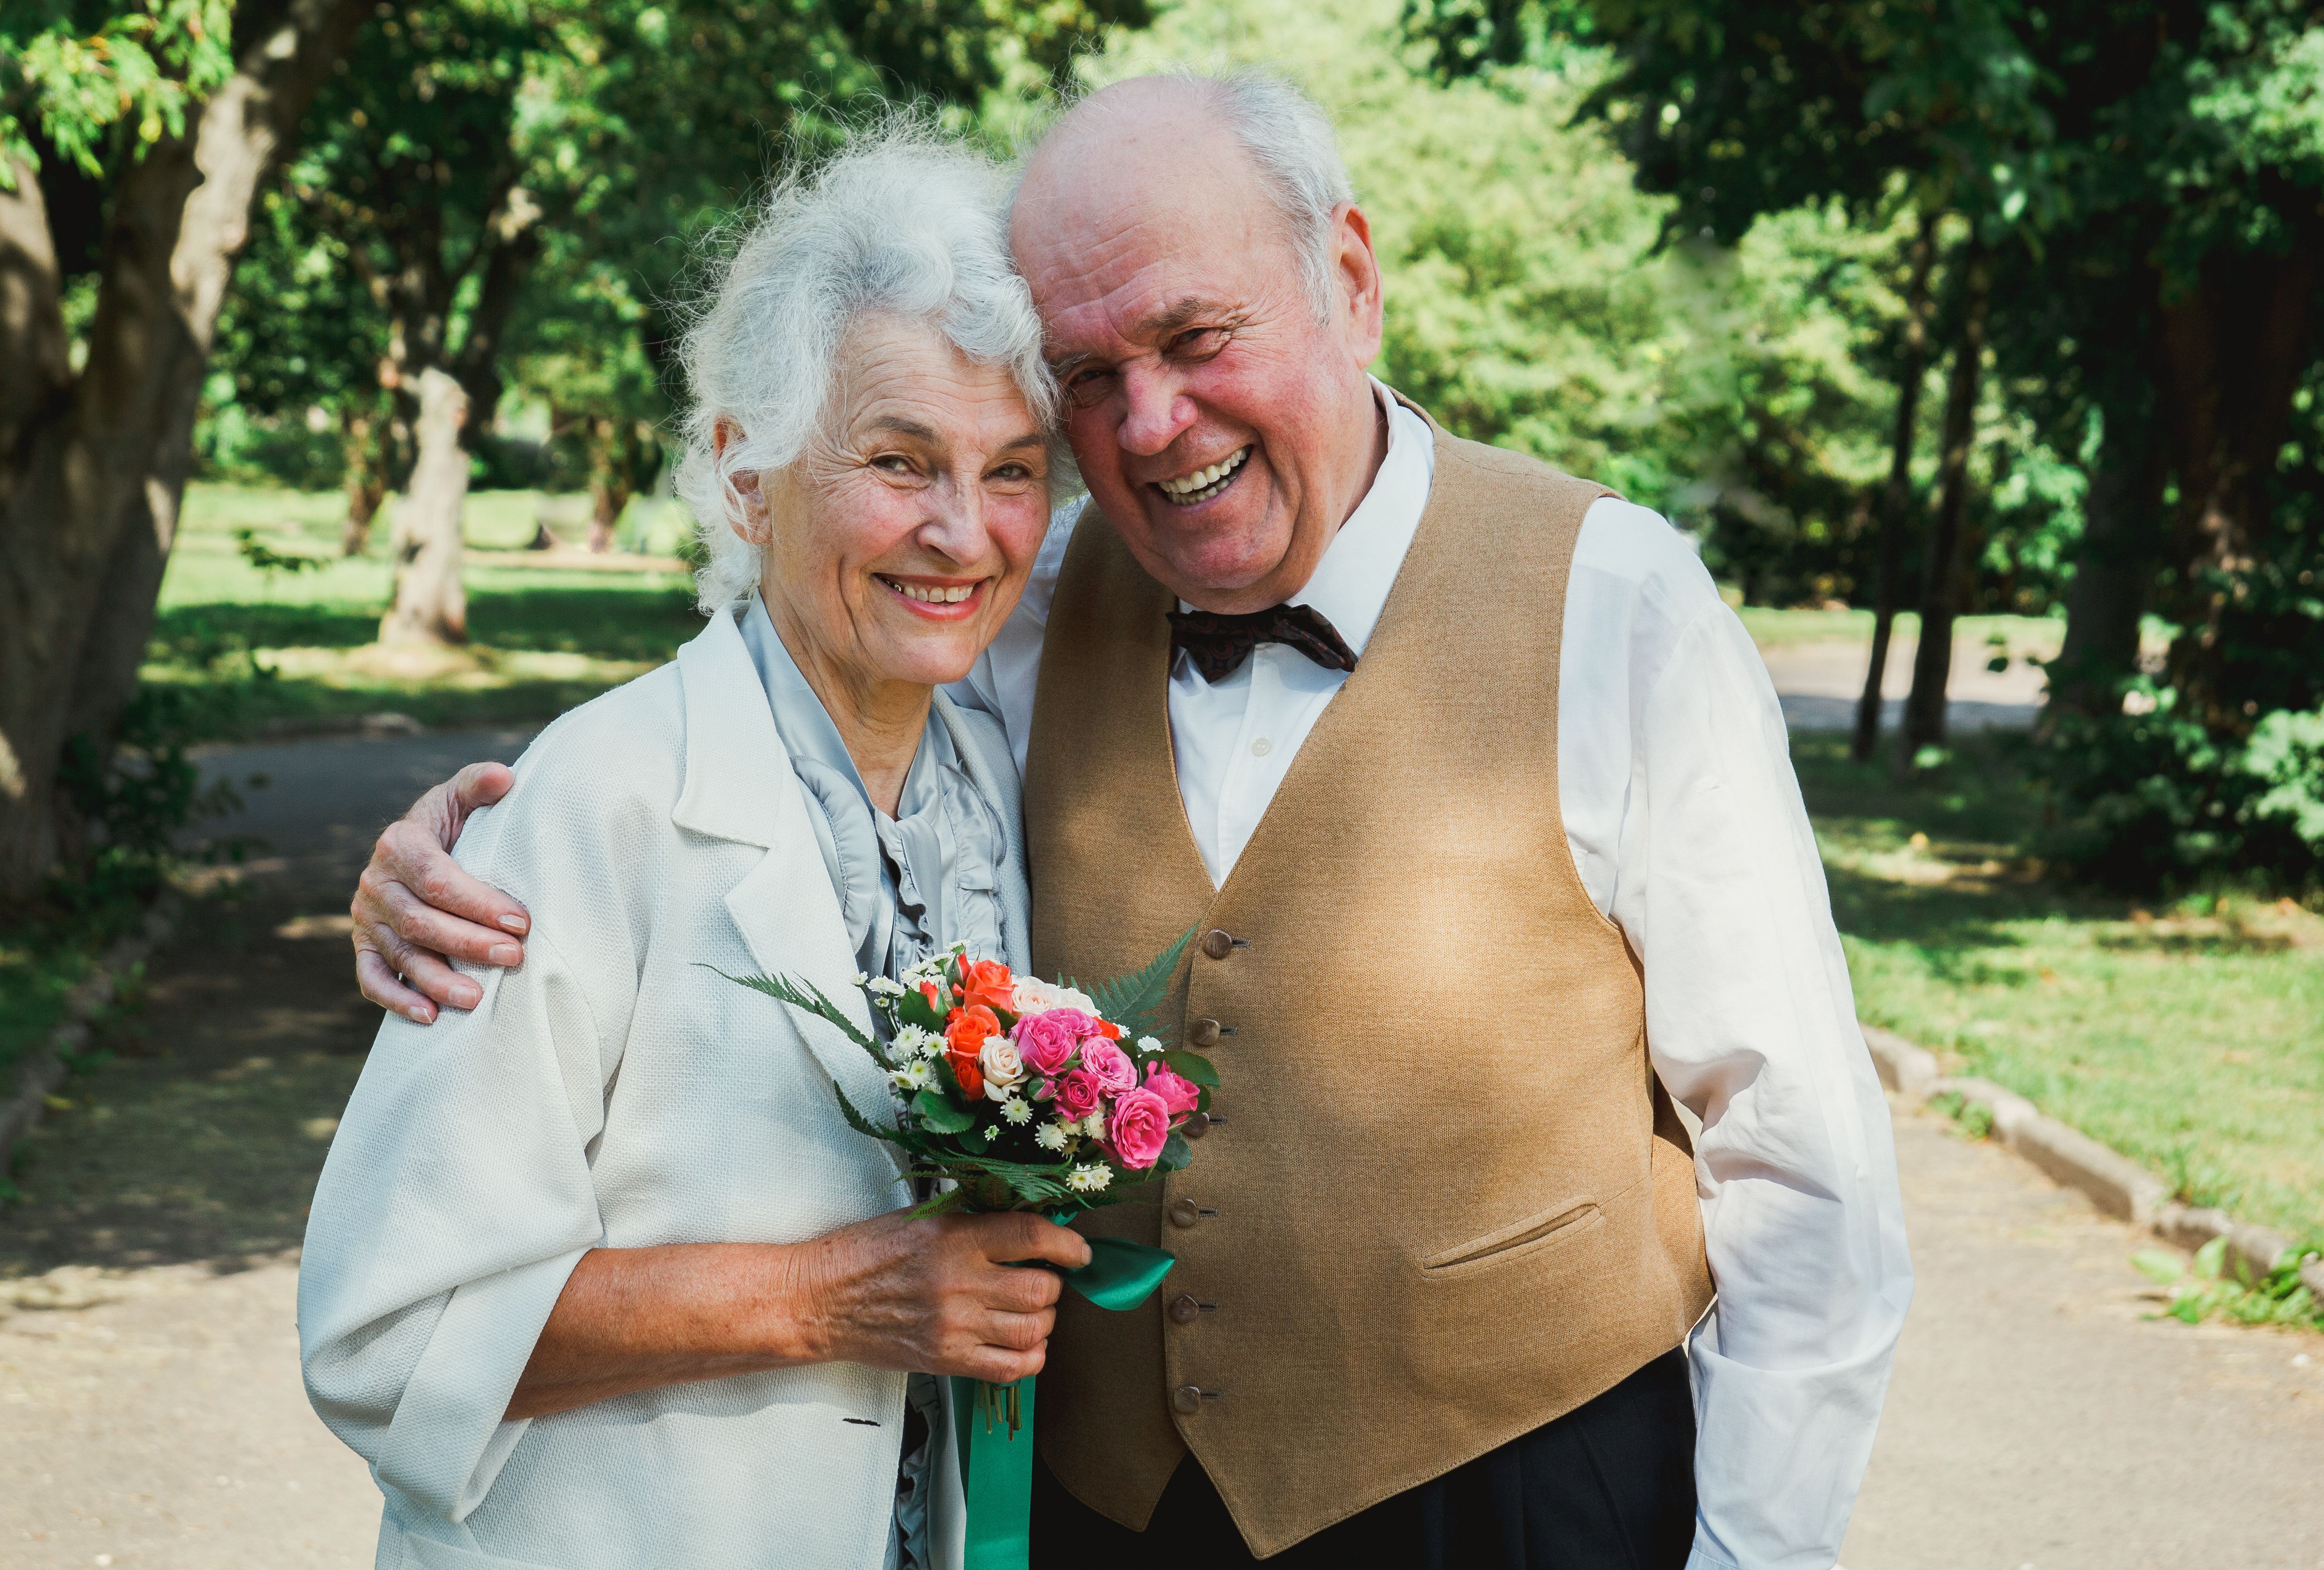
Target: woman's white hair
(905,222)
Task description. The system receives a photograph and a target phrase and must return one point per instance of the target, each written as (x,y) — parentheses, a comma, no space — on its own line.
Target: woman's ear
(752,527)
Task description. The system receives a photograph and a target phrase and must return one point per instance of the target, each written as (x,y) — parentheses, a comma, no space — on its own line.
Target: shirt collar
(1351,585)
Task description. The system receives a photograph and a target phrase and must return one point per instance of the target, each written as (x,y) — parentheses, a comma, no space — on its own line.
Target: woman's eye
(893,463)
(1012,471)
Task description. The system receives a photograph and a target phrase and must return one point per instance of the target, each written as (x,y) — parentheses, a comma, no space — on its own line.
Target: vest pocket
(1559,1223)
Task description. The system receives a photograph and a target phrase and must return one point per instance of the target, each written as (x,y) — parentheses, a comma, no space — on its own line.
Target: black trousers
(1608,1486)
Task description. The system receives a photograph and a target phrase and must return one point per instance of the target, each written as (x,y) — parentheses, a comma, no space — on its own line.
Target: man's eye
(1088,388)
(1198,343)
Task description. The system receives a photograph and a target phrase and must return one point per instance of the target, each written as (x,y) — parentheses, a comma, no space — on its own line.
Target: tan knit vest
(1448,1201)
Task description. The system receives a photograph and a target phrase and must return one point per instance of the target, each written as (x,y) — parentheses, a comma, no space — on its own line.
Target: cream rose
(1004,1070)
(1032,995)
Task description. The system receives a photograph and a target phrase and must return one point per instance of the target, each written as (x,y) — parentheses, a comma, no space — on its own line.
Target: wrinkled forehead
(1123,255)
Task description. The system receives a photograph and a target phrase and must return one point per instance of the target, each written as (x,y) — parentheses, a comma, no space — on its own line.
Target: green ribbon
(993,1423)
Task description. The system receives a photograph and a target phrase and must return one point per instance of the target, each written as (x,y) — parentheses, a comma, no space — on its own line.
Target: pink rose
(1078,1093)
(1046,1041)
(1176,1091)
(1111,1065)
(1140,1127)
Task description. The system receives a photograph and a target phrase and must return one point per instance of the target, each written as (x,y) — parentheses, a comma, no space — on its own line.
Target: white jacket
(611,1092)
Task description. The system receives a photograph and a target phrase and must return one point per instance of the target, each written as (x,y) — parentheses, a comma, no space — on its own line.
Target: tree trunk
(611,464)
(1897,497)
(92,466)
(2235,347)
(366,482)
(2111,573)
(430,606)
(1925,710)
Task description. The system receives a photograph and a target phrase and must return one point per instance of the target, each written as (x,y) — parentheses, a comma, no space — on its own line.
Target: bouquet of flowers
(1020,1094)
(1012,1093)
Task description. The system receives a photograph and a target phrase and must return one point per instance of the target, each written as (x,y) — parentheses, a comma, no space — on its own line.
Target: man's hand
(415,906)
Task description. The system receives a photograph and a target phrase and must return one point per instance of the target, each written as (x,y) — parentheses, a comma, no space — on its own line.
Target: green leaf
(2157,1264)
(1175,1154)
(1192,1066)
(1130,1001)
(939,1114)
(2208,1259)
(857,1121)
(809,998)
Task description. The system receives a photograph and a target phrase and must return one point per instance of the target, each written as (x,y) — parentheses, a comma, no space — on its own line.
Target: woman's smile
(938,598)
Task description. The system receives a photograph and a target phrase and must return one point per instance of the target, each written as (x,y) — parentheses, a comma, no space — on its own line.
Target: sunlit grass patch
(2190,1037)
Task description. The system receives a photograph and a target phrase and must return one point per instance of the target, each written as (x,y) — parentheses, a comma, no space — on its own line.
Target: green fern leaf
(1131,1001)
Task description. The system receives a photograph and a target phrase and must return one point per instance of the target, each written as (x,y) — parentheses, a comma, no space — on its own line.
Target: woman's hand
(936,1294)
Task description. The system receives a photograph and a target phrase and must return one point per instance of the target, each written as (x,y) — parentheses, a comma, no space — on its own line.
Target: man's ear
(1357,270)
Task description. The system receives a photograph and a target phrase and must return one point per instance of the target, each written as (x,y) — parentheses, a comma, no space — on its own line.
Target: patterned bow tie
(1218,644)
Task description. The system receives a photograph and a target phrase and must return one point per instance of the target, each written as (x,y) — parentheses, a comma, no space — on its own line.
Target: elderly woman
(596,1274)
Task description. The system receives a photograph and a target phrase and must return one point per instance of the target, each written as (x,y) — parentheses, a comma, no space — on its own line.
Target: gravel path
(151,1412)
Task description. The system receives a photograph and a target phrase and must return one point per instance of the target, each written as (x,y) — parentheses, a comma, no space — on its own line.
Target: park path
(151,1411)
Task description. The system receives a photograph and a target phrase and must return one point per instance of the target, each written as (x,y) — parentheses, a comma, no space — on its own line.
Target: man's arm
(1751,1024)
(415,906)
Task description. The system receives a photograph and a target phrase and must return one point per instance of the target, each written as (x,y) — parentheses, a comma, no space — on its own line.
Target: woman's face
(897,545)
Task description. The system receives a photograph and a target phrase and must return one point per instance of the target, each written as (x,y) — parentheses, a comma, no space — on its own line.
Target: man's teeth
(1204,483)
(951,595)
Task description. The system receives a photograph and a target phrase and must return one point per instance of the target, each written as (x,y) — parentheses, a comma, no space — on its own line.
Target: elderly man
(1481,799)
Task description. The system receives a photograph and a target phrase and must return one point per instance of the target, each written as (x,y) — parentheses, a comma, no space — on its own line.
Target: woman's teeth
(1203,484)
(942,595)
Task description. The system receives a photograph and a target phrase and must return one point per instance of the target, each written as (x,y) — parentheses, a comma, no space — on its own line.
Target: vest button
(1182,1212)
(1197,1125)
(1187,1397)
(1185,1308)
(1218,942)
(1203,1032)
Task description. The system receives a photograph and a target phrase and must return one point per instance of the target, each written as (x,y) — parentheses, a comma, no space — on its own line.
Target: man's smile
(1191,490)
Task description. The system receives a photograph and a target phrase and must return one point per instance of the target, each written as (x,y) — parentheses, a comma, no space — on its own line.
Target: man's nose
(1155,411)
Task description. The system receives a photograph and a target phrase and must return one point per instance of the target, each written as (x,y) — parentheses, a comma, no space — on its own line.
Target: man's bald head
(1126,139)
(1210,301)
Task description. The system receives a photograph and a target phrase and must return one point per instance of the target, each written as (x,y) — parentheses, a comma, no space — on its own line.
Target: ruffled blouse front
(908,886)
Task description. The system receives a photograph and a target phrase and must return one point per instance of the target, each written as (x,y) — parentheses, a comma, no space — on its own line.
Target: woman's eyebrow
(897,425)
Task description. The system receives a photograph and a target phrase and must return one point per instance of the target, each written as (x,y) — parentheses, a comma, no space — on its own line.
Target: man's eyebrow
(1161,325)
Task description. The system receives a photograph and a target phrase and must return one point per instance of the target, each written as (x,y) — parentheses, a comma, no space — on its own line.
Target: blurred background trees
(1950,306)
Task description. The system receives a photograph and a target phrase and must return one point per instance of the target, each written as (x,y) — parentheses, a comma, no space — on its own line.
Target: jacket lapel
(739,785)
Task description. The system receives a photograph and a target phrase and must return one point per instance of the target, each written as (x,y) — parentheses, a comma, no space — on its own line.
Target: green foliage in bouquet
(1016,1093)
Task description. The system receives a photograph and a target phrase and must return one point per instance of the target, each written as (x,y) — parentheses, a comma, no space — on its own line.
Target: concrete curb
(39,1074)
(2113,1183)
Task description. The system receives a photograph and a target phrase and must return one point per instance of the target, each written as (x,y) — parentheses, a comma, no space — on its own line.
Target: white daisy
(862,977)
(1053,1136)
(1090,1177)
(1016,1109)
(1094,1125)
(911,1077)
(918,1042)
(881,987)
(1149,1044)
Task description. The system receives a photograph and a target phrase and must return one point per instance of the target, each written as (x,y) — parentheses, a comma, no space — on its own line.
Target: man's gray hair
(905,222)
(1289,139)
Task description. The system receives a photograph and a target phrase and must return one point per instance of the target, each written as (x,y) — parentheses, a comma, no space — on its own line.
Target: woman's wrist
(787,1307)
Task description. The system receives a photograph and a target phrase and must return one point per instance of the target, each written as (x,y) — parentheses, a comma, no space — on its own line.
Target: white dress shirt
(1675,784)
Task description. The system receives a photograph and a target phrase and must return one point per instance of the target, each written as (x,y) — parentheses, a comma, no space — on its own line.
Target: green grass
(1776,629)
(264,649)
(2190,1037)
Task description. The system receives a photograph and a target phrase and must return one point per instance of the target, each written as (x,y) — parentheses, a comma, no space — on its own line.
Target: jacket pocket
(1545,1230)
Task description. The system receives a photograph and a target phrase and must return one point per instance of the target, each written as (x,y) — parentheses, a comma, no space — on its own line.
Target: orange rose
(987,982)
(970,1073)
(1108,1029)
(969,1028)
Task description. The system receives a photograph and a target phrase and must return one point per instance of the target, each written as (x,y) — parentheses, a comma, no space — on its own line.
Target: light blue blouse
(908,886)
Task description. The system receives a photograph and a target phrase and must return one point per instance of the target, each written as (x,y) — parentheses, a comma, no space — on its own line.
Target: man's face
(1223,427)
